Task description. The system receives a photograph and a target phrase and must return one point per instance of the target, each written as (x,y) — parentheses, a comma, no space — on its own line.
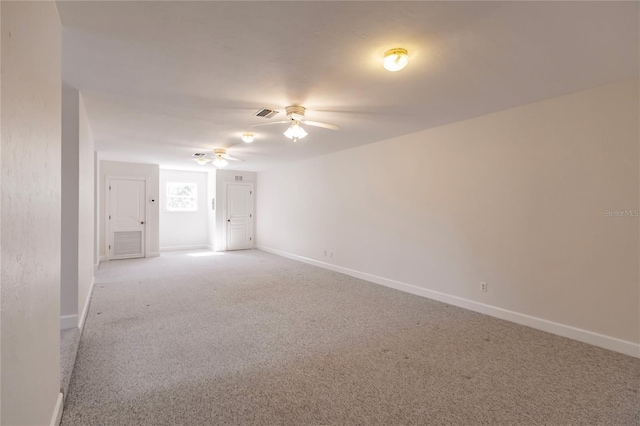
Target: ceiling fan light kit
(247,137)
(395,59)
(220,158)
(295,118)
(295,131)
(220,162)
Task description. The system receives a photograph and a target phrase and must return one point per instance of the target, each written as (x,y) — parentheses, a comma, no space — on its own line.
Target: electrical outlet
(483,286)
(325,253)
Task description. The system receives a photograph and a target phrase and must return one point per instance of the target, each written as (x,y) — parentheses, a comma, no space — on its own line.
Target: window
(182,197)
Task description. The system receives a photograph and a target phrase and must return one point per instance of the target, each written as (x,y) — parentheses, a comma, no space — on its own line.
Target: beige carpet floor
(69,341)
(249,338)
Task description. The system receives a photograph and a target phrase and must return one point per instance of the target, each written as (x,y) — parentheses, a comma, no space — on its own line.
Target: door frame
(224,210)
(107,209)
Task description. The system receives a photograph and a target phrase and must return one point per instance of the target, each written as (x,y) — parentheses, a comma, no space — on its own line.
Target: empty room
(320,213)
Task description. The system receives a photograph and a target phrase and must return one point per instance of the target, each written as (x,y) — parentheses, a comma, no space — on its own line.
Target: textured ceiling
(162,80)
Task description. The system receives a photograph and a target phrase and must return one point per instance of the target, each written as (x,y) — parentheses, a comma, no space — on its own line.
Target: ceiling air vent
(199,154)
(266,113)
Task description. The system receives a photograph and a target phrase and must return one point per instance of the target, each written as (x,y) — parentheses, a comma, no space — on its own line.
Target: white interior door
(127,218)
(239,211)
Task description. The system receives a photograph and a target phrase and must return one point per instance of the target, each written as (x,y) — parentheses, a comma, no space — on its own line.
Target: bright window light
(182,197)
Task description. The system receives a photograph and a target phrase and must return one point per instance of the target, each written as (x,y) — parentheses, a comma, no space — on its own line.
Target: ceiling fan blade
(269,124)
(228,157)
(317,124)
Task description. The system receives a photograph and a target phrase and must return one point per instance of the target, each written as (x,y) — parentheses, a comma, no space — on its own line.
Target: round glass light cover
(395,59)
(220,162)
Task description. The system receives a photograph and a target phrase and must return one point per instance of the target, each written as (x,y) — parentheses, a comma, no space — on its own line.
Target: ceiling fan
(295,117)
(220,158)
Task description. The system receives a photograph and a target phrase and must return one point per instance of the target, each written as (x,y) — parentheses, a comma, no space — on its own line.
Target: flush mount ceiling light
(395,59)
(247,137)
(295,131)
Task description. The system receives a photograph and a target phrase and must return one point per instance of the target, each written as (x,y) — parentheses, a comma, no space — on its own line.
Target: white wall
(30,212)
(184,230)
(70,210)
(151,171)
(96,211)
(86,195)
(211,213)
(517,199)
(228,176)
(77,266)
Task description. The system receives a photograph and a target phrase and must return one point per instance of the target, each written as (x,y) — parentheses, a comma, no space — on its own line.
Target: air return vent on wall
(266,113)
(127,243)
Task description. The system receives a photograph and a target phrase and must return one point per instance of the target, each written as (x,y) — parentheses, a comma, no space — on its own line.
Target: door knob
(141,223)
(228,220)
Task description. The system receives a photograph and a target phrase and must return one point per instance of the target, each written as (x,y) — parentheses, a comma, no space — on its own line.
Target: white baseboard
(581,335)
(57,411)
(210,247)
(96,267)
(104,258)
(68,321)
(87,302)
(153,254)
(180,248)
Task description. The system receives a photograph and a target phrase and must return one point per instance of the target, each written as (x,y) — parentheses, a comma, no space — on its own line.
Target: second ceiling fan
(295,117)
(220,158)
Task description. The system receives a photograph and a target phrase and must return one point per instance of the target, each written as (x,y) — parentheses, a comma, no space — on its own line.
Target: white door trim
(224,209)
(107,209)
